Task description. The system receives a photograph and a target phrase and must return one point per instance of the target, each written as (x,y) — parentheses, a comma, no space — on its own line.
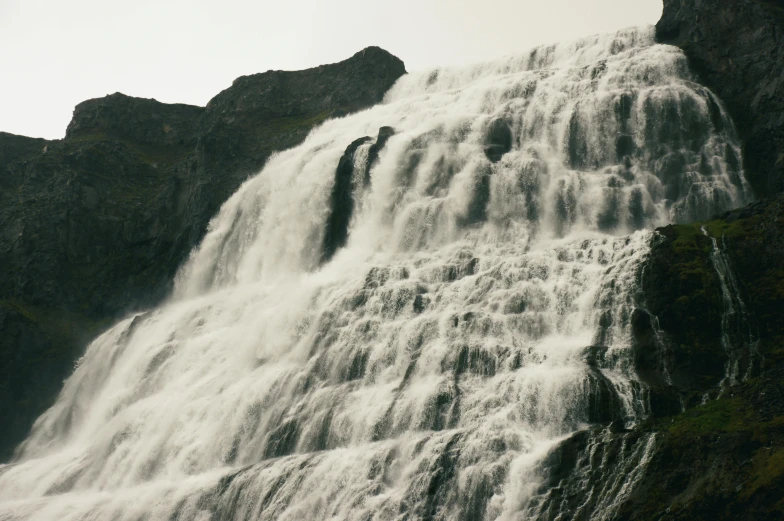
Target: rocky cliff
(708,330)
(723,458)
(737,49)
(96,225)
(712,450)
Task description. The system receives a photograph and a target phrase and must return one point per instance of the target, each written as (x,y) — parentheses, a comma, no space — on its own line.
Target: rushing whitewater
(475,314)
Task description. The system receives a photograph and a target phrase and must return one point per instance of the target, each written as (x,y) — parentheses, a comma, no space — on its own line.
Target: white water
(424,371)
(738,338)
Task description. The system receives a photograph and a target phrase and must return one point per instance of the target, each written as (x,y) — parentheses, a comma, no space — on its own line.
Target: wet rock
(498,140)
(650,360)
(577,144)
(384,133)
(682,290)
(283,439)
(604,404)
(341,202)
(419,304)
(586,474)
(358,366)
(677,340)
(735,49)
(624,146)
(595,355)
(475,360)
(476,210)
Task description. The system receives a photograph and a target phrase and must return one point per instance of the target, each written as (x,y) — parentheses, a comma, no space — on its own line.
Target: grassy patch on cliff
(767,471)
(287,124)
(723,415)
(723,460)
(60,325)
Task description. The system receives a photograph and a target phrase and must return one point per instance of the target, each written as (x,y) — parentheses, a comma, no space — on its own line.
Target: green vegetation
(59,325)
(767,471)
(723,415)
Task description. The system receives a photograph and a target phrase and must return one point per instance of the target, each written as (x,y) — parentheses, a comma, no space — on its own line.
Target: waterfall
(738,337)
(400,324)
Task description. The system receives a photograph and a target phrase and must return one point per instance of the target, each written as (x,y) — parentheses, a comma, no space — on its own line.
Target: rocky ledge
(95,225)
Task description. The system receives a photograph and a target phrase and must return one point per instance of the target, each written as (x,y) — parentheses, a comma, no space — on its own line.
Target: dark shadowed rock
(713,458)
(341,202)
(96,225)
(722,459)
(719,461)
(384,133)
(344,190)
(498,141)
(144,122)
(736,48)
(683,292)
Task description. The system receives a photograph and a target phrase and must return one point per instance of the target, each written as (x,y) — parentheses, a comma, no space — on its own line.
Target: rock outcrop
(708,332)
(737,50)
(96,225)
(718,460)
(683,290)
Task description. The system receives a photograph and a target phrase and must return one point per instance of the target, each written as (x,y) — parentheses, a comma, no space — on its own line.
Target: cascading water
(738,338)
(401,330)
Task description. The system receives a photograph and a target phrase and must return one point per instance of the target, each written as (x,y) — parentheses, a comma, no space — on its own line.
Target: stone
(498,140)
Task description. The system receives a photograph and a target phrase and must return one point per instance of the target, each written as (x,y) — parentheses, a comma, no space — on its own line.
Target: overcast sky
(56,53)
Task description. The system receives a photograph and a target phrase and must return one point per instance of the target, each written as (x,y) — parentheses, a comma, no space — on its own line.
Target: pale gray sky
(57,53)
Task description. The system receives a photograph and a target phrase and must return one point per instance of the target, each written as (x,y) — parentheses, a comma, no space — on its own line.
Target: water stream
(472,310)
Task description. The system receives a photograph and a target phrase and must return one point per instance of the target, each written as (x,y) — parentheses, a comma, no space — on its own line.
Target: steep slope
(718,460)
(709,335)
(737,50)
(723,459)
(96,224)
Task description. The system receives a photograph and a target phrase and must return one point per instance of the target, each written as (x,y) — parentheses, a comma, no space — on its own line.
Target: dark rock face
(721,460)
(737,50)
(682,291)
(684,298)
(384,133)
(341,202)
(140,121)
(498,141)
(96,225)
